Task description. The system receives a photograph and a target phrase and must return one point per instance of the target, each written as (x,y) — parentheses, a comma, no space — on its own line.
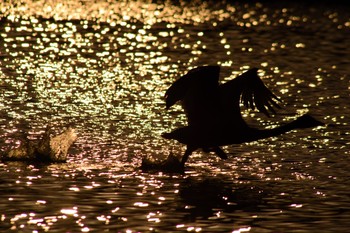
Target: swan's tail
(167,135)
(307,121)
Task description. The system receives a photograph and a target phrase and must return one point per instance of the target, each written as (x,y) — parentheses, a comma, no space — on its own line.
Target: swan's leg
(217,150)
(220,152)
(188,152)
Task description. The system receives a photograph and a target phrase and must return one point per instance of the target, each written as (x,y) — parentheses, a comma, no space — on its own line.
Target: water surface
(103,66)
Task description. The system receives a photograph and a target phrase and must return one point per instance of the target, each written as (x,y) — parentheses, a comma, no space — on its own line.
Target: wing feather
(203,78)
(252,92)
(205,102)
(198,93)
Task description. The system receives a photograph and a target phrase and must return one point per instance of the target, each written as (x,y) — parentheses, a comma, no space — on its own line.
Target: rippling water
(103,66)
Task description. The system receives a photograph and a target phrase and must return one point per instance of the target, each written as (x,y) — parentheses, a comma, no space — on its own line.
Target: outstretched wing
(251,91)
(198,93)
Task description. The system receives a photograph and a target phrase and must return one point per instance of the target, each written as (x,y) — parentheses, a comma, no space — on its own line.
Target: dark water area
(104,66)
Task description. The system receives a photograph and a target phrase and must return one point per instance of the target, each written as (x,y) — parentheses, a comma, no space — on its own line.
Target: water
(103,66)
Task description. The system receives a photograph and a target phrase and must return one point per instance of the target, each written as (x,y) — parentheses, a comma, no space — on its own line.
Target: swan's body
(213,110)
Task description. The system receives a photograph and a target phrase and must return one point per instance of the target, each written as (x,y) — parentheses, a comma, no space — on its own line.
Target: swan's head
(176,92)
(185,135)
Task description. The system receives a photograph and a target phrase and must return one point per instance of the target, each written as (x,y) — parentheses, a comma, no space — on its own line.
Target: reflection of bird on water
(213,110)
(206,195)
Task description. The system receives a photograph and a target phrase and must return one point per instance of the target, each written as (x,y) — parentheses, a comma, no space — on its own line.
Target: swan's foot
(172,165)
(187,154)
(218,151)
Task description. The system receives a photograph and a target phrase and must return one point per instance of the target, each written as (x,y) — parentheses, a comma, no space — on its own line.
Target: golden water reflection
(104,66)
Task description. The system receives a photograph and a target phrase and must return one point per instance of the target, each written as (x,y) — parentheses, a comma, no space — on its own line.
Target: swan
(213,110)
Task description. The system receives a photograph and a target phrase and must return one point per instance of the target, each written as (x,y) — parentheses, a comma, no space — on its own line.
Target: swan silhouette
(213,110)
